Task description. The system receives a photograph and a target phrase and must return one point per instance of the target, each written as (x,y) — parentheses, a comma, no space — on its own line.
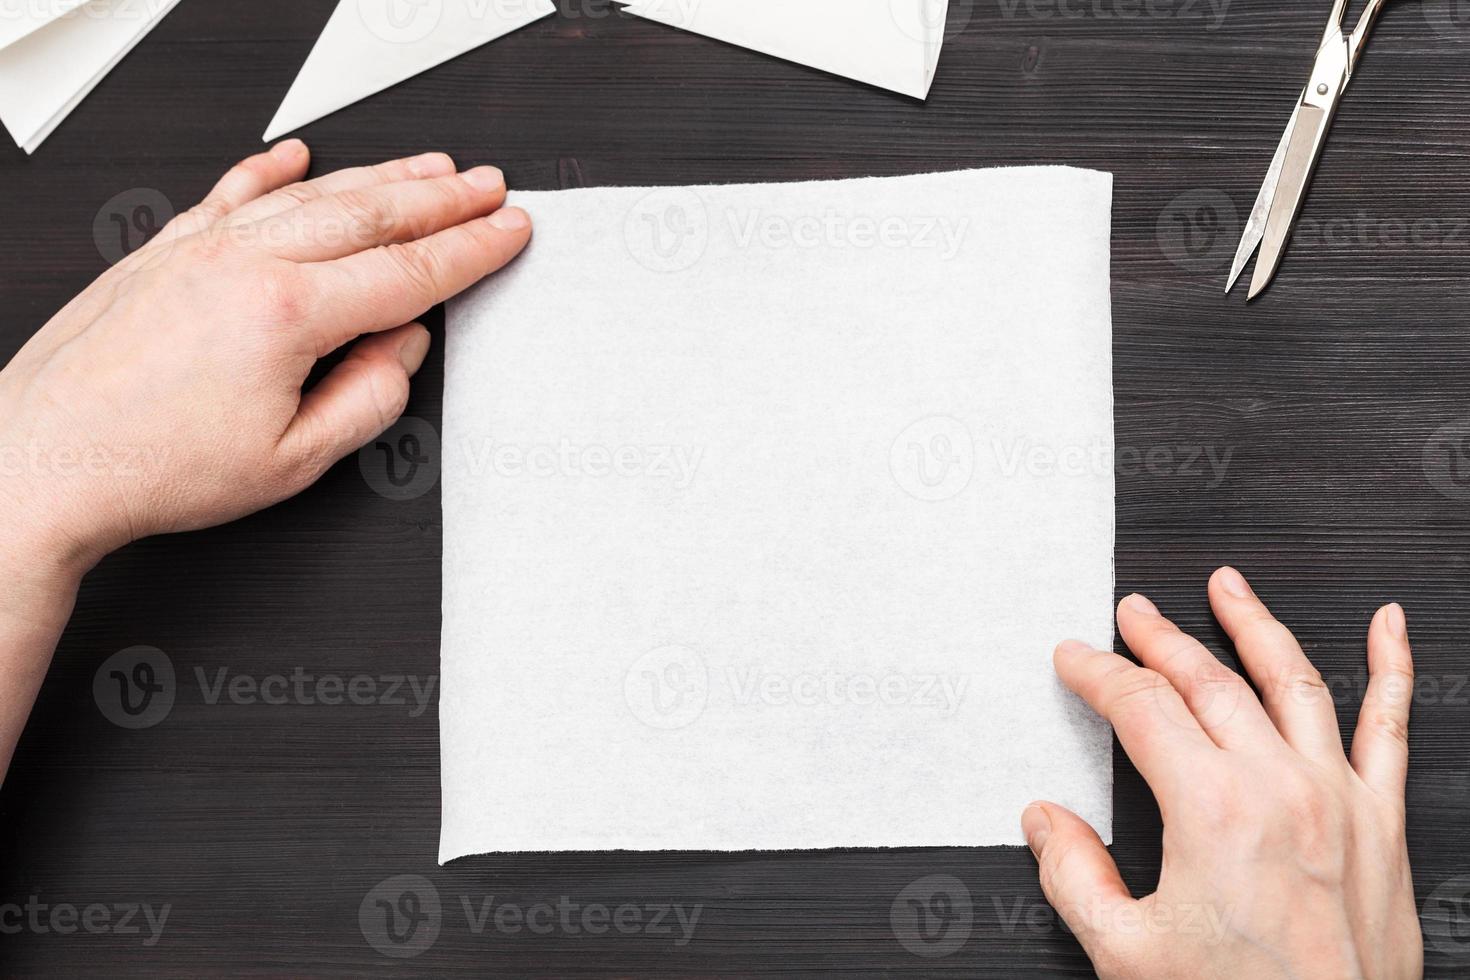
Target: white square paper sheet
(764,508)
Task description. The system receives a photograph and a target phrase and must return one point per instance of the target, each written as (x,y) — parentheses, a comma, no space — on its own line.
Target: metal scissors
(1291,169)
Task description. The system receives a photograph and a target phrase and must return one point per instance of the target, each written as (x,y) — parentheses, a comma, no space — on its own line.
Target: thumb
(1078,875)
(358,399)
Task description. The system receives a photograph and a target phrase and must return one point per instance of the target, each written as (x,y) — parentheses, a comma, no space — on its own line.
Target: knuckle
(283,293)
(1303,685)
(1390,724)
(1260,624)
(1392,687)
(207,212)
(421,268)
(449,198)
(1130,688)
(1211,671)
(210,247)
(390,391)
(1303,796)
(1050,870)
(1175,645)
(369,214)
(297,194)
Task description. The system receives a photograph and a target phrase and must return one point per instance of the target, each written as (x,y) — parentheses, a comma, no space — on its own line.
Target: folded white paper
(21,17)
(764,508)
(47,72)
(371,45)
(894,44)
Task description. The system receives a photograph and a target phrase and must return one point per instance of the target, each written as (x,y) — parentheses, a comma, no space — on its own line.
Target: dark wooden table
(1336,409)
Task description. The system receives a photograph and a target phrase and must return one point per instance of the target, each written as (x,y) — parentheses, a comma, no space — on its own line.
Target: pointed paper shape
(371,45)
(47,73)
(893,44)
(31,17)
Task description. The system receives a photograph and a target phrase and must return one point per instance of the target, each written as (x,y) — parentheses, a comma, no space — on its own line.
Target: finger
(1155,727)
(376,289)
(1381,740)
(1077,873)
(1296,698)
(248,180)
(357,400)
(347,223)
(1226,707)
(353,178)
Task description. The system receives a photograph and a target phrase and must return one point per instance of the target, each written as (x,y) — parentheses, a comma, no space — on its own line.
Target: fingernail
(1036,825)
(1074,646)
(1139,604)
(485,179)
(1397,625)
(288,150)
(431,165)
(1234,583)
(413,351)
(510,219)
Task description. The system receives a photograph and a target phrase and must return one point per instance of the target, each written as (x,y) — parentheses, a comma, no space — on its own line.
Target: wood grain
(264,827)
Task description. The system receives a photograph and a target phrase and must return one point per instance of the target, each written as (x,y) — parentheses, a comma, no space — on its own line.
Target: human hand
(1282,856)
(168,395)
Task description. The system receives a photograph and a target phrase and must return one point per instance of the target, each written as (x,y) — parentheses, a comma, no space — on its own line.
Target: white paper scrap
(372,45)
(894,44)
(764,509)
(47,73)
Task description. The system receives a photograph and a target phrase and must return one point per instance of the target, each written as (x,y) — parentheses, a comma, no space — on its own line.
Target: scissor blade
(1313,118)
(1255,228)
(1296,172)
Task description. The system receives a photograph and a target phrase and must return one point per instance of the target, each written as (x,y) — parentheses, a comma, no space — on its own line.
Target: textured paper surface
(764,508)
(46,73)
(371,45)
(894,44)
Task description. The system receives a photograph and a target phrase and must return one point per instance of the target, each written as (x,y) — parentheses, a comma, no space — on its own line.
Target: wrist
(42,555)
